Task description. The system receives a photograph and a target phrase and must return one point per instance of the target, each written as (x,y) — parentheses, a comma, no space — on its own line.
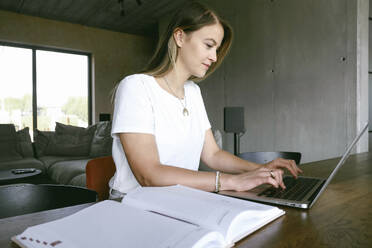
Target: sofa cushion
(64,172)
(42,139)
(71,141)
(102,140)
(24,143)
(65,141)
(8,143)
(48,160)
(79,180)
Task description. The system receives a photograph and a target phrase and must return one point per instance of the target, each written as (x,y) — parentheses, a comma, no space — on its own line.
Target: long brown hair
(191,17)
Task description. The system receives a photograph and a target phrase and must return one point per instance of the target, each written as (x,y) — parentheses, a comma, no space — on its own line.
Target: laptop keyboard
(296,189)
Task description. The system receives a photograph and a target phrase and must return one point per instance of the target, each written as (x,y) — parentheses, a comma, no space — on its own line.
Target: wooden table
(342,216)
(15,225)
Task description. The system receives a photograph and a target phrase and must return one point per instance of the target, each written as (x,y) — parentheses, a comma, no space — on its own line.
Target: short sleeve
(133,111)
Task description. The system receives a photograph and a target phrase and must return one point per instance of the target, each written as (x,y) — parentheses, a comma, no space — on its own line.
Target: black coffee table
(19,199)
(8,177)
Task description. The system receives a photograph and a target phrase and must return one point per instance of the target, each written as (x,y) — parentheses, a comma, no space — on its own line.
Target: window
(62,89)
(57,91)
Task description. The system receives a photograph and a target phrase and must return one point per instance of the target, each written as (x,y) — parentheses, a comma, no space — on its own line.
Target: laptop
(299,193)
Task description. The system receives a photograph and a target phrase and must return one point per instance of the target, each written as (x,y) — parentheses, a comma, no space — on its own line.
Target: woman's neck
(177,81)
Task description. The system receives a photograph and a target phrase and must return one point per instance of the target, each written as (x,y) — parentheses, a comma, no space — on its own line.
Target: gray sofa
(61,155)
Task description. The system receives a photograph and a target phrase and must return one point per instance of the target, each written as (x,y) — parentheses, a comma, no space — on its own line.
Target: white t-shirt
(142,106)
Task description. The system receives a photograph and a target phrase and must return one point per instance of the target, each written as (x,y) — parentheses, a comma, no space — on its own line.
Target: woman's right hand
(251,179)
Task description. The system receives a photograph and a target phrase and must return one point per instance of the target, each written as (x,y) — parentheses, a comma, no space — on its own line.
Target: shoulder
(192,87)
(135,79)
(134,82)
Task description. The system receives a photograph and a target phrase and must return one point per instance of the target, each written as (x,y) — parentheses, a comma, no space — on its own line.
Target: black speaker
(234,120)
(104,117)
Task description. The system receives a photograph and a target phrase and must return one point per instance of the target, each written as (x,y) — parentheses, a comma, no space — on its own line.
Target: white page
(111,224)
(246,224)
(203,208)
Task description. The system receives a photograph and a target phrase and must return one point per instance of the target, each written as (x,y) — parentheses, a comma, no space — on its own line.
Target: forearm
(224,161)
(163,175)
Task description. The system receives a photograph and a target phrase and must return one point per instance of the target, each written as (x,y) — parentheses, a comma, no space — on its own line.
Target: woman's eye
(209,46)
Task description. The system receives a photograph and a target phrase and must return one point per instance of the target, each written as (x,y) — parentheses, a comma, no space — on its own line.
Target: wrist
(251,166)
(225,181)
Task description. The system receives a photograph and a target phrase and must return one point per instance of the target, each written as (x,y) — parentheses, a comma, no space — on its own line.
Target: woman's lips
(206,65)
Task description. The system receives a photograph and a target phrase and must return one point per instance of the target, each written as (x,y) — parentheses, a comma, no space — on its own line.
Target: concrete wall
(362,66)
(370,66)
(114,54)
(297,69)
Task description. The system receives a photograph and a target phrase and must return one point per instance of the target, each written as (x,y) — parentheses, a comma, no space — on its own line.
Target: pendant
(185,112)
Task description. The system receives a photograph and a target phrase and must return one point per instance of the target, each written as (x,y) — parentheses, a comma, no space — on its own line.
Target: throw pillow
(24,143)
(102,140)
(42,139)
(71,140)
(8,143)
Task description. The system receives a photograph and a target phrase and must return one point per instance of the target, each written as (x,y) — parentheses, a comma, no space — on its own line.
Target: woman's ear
(179,36)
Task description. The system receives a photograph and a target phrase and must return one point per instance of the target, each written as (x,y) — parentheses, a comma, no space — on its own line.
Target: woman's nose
(213,56)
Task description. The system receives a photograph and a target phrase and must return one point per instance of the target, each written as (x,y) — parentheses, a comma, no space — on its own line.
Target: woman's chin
(200,74)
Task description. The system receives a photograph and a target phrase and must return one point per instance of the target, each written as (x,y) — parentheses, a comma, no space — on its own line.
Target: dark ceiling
(139,16)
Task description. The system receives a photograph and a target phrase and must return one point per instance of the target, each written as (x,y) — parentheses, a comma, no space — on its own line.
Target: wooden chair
(98,173)
(265,157)
(19,199)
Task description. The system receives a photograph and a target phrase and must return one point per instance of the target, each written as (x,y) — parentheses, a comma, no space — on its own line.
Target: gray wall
(370,66)
(294,68)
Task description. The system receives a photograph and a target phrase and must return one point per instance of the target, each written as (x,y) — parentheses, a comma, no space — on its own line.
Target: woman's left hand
(281,163)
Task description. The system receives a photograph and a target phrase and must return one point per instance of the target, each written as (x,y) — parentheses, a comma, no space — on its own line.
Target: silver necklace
(184,111)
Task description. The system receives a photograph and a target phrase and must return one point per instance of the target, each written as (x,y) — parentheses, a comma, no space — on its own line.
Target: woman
(160,126)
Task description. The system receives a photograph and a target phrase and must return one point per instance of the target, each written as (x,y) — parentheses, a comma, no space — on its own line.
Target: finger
(284,163)
(272,181)
(280,179)
(277,175)
(296,167)
(292,168)
(290,165)
(264,172)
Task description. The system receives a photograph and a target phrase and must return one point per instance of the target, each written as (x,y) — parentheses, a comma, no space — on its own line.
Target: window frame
(34,48)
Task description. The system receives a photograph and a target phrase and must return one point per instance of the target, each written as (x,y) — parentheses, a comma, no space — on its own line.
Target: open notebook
(174,216)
